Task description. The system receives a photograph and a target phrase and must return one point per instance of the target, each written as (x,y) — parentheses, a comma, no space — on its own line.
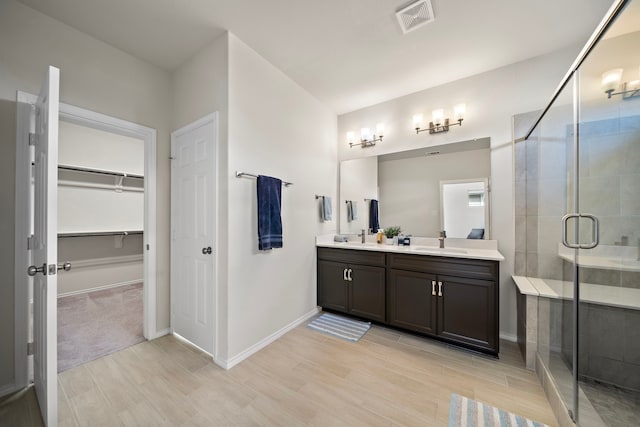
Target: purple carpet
(98,323)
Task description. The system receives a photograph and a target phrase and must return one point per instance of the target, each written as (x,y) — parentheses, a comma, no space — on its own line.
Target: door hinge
(33,139)
(30,348)
(30,242)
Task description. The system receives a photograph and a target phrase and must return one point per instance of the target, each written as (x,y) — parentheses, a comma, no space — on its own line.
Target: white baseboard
(8,389)
(100,288)
(228,364)
(508,337)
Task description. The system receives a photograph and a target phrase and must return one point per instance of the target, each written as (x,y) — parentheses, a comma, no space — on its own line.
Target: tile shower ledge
(458,248)
(596,294)
(623,258)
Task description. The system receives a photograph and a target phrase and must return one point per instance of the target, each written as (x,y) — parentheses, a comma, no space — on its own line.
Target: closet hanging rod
(100,233)
(99,171)
(250,175)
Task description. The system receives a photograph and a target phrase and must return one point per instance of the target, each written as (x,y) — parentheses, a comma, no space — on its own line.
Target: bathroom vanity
(450,294)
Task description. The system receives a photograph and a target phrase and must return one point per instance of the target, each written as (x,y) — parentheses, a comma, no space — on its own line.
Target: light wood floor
(388,378)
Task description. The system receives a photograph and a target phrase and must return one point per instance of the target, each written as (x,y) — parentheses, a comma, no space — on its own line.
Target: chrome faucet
(363,234)
(443,235)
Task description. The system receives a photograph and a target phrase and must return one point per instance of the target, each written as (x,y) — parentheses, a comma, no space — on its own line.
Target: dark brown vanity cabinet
(412,300)
(451,298)
(455,299)
(353,282)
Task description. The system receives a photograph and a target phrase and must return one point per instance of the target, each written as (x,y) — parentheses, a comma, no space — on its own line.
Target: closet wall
(100,208)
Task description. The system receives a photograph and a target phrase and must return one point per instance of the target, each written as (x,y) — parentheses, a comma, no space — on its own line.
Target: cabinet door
(467,311)
(367,292)
(412,304)
(332,286)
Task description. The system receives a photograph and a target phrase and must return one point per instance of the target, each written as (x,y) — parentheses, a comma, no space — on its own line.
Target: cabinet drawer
(472,268)
(352,256)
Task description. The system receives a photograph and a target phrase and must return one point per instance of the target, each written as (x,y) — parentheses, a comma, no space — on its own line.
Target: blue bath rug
(341,327)
(465,412)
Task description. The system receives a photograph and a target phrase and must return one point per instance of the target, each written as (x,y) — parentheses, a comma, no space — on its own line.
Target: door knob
(207,250)
(33,270)
(66,266)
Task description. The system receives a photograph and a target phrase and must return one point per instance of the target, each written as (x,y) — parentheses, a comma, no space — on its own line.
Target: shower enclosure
(577,179)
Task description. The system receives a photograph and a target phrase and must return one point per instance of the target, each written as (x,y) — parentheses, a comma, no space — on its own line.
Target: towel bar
(250,175)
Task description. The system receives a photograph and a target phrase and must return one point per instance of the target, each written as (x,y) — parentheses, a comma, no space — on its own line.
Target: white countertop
(454,248)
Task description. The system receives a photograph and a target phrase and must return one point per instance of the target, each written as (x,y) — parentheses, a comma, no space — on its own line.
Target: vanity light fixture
(611,82)
(367,139)
(439,123)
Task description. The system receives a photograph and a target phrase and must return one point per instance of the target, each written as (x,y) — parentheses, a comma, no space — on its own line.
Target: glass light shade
(365,134)
(417,120)
(611,79)
(437,116)
(380,129)
(633,85)
(459,110)
(351,136)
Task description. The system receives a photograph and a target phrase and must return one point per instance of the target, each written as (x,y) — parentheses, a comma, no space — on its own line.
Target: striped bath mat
(465,412)
(341,327)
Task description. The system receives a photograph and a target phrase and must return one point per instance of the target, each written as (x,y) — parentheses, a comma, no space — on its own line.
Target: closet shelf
(100,233)
(99,171)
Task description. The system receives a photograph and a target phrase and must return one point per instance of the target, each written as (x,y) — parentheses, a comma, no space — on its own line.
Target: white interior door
(45,250)
(193,227)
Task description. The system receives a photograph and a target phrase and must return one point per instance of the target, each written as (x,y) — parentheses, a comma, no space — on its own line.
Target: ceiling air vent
(415,15)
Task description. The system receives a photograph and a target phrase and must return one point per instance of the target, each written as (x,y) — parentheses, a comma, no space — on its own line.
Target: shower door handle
(595,231)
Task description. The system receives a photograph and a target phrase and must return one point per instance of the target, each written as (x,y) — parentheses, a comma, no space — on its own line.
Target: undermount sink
(440,250)
(361,244)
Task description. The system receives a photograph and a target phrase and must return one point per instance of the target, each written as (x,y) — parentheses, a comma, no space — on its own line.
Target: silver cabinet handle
(349,275)
(595,231)
(344,274)
(439,289)
(433,287)
(33,270)
(66,266)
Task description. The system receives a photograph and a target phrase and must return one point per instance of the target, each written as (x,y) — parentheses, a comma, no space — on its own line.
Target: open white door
(193,210)
(45,248)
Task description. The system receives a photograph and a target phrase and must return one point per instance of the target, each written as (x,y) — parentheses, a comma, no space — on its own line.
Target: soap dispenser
(380,235)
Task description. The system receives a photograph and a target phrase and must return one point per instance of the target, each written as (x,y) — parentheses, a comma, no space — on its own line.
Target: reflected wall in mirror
(407,185)
(464,206)
(358,181)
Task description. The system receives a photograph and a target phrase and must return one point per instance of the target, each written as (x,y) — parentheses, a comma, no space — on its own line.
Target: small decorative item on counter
(404,240)
(380,235)
(391,232)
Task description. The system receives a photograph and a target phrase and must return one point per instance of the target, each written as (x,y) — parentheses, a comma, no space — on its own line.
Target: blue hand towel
(269,207)
(374,223)
(326,208)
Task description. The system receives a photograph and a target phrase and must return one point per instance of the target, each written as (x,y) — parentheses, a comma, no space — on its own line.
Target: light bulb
(380,129)
(351,136)
(437,116)
(611,79)
(417,120)
(365,134)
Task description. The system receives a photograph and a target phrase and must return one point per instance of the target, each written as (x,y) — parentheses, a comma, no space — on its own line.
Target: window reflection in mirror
(465,207)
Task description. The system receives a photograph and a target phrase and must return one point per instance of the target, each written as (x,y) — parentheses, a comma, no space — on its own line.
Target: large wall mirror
(408,186)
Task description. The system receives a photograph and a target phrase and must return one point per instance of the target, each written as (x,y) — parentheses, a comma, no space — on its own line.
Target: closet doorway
(101,236)
(107,231)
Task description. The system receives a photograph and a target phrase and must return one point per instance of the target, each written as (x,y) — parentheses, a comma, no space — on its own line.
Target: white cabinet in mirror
(407,186)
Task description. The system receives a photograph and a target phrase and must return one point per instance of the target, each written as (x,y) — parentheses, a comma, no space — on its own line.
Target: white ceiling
(347,53)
